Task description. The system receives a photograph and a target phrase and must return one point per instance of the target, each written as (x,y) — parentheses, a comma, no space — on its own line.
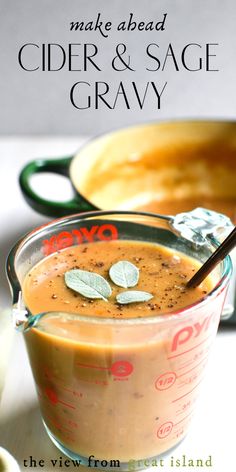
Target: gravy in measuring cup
(114,396)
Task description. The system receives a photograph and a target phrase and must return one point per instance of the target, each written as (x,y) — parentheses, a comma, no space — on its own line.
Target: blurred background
(38,103)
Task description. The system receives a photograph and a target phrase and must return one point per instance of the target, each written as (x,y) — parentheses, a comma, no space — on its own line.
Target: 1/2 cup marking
(165,381)
(164,430)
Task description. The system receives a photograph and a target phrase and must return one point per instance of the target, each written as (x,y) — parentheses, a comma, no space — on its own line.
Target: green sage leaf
(124,274)
(88,284)
(133,296)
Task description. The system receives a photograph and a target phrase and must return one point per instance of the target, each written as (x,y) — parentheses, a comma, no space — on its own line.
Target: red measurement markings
(90,366)
(186,406)
(165,381)
(69,439)
(102,383)
(186,364)
(164,430)
(58,425)
(75,393)
(179,432)
(194,367)
(195,358)
(191,349)
(118,368)
(72,423)
(53,398)
(183,419)
(176,399)
(118,379)
(189,380)
(122,368)
(49,375)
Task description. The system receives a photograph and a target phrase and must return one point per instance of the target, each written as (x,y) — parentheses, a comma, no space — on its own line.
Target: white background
(38,102)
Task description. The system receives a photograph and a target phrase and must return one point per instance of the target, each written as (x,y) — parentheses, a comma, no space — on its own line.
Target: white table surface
(21,430)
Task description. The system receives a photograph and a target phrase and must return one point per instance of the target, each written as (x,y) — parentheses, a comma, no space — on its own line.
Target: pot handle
(48,207)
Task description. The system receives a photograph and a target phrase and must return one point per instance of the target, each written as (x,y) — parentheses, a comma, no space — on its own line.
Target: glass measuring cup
(111,389)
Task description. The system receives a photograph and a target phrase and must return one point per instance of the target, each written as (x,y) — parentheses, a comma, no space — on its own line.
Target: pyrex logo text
(105,232)
(193,331)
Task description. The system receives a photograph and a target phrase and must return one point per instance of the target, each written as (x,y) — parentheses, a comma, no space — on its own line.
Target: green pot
(159,161)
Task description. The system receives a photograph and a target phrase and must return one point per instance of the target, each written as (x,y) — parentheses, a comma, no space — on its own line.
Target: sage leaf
(88,284)
(124,274)
(133,296)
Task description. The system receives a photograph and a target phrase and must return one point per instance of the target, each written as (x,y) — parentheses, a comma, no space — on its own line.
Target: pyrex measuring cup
(112,389)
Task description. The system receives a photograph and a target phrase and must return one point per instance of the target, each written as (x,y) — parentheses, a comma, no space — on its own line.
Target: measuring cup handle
(48,207)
